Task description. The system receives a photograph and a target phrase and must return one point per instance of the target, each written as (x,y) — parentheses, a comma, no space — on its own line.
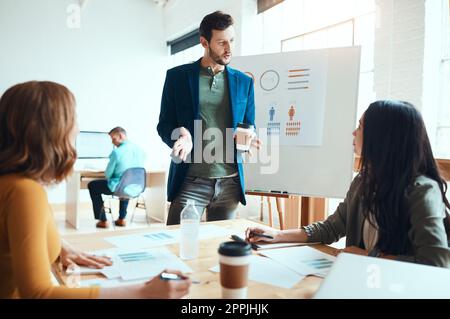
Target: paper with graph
(303,260)
(146,263)
(134,264)
(163,237)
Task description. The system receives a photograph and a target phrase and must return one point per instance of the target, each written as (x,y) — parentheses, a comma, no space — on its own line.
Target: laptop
(360,277)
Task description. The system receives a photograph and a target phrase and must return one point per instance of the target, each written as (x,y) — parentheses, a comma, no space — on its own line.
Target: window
(442,147)
(186,48)
(186,56)
(358,30)
(337,35)
(184,42)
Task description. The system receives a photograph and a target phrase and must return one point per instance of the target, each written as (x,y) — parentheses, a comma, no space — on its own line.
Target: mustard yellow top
(29,243)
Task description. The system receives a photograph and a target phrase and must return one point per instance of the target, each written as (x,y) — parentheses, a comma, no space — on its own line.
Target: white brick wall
(434,44)
(399,50)
(407,57)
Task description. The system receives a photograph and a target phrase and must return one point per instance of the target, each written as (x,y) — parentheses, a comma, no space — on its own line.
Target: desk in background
(294,210)
(155,195)
(208,257)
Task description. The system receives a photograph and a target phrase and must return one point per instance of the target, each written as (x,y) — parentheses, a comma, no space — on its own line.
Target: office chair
(131,185)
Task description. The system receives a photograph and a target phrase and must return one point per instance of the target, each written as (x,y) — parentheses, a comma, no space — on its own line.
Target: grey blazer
(428,237)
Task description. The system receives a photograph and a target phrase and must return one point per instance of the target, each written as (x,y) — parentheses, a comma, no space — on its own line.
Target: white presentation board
(305,114)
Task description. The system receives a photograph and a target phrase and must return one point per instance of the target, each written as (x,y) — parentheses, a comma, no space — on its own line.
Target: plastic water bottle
(190,219)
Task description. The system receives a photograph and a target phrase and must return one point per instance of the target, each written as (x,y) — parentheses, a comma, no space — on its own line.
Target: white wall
(114,63)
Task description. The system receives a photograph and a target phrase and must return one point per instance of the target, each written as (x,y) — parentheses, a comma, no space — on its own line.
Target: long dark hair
(395,151)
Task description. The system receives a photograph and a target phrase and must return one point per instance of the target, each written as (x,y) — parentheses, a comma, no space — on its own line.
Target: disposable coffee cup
(234,259)
(244,136)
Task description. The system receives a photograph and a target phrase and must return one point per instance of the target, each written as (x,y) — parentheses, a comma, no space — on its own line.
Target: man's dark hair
(117,130)
(214,21)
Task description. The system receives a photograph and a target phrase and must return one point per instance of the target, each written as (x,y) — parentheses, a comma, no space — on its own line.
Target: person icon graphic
(291,113)
(271,113)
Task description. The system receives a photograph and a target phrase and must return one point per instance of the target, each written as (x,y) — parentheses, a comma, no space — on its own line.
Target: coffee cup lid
(244,125)
(235,249)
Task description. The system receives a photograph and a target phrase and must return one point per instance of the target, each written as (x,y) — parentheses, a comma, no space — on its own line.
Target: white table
(155,195)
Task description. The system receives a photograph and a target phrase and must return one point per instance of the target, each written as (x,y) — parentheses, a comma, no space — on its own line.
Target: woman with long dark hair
(396,206)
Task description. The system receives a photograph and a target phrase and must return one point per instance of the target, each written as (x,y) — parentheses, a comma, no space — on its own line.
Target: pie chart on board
(269,80)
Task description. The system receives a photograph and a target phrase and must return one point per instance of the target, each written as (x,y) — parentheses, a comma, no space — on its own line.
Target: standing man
(217,97)
(125,155)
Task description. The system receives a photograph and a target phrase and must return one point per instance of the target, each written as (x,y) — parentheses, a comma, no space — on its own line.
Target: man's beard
(216,58)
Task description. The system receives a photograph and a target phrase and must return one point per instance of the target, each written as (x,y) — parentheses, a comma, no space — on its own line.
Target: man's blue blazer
(180,106)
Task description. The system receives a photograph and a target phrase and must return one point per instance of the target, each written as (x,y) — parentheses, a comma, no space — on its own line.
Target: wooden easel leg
(261,209)
(270,212)
(280,212)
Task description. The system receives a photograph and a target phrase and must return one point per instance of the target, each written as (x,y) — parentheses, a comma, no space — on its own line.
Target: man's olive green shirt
(216,117)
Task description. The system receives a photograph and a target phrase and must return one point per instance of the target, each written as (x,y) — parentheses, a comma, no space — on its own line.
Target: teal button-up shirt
(125,156)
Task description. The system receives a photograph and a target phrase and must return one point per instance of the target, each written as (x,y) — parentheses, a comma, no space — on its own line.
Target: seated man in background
(125,155)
